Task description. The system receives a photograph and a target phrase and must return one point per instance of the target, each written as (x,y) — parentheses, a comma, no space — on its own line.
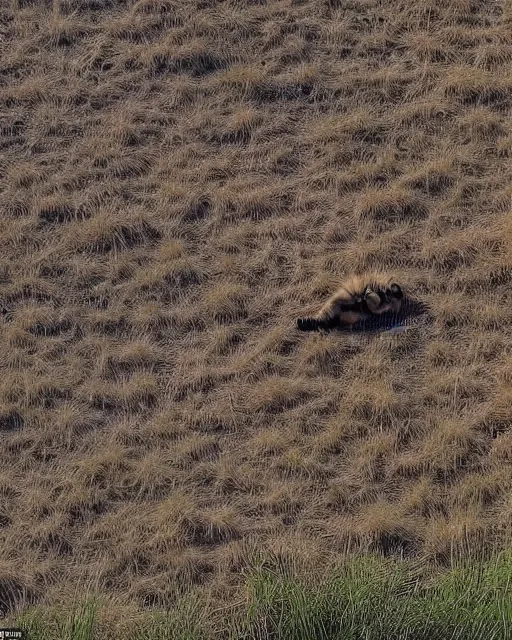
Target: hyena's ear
(396,291)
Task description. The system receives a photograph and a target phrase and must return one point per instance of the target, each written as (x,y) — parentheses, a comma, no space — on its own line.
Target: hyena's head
(394,291)
(394,296)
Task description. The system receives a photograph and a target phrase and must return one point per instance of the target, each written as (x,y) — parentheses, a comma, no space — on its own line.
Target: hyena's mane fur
(358,298)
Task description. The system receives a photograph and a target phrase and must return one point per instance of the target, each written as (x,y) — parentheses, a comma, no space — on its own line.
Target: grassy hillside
(179,180)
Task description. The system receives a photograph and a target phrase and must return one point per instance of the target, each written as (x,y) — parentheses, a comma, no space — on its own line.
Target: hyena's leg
(313,324)
(375,301)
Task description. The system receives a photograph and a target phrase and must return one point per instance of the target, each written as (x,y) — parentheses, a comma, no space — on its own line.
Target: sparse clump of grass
(476,88)
(103,233)
(391,206)
(226,303)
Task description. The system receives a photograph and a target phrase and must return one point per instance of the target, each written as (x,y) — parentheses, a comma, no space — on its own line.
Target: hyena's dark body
(358,299)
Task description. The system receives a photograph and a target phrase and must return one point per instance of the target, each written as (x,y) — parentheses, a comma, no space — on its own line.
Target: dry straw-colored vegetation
(179,179)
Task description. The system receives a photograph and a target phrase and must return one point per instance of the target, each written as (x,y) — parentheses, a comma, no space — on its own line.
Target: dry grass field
(179,180)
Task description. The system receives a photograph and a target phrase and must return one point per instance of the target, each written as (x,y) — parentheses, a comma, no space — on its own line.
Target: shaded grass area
(365,597)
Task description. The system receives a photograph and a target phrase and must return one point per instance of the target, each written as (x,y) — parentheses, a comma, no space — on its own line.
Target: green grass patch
(364,598)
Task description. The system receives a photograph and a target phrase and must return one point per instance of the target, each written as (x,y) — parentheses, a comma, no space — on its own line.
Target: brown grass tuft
(383,528)
(389,207)
(110,232)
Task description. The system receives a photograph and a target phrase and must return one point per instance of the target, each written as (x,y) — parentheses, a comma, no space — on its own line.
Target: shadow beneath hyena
(410,312)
